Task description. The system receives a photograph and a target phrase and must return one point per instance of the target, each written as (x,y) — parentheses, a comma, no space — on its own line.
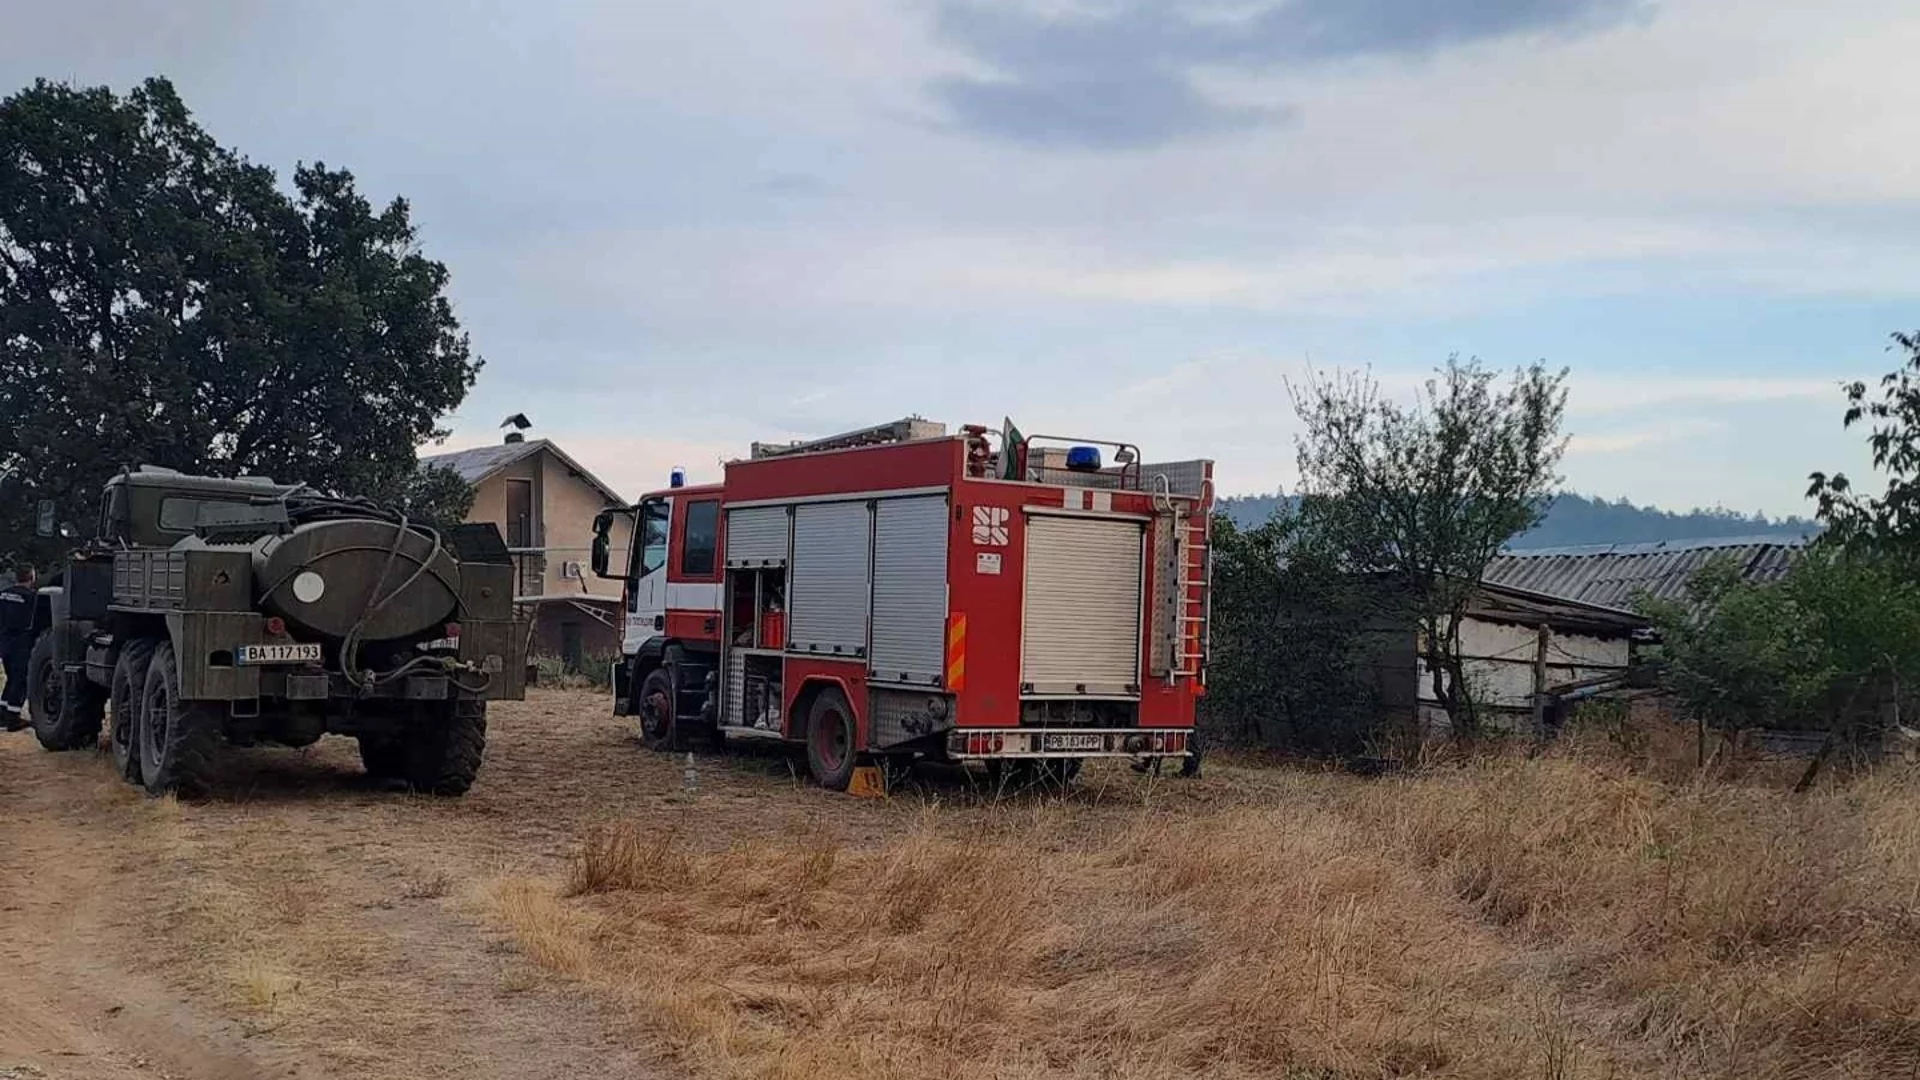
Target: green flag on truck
(1011,448)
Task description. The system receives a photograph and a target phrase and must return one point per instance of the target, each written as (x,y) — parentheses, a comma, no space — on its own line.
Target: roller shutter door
(909,589)
(1080,623)
(827,583)
(757,536)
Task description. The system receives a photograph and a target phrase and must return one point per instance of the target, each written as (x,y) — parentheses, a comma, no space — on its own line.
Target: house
(1613,575)
(544,503)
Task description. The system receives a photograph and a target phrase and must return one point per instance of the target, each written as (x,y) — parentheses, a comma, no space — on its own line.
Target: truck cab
(156,507)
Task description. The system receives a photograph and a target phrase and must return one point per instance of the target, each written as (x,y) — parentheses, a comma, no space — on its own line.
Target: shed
(1514,643)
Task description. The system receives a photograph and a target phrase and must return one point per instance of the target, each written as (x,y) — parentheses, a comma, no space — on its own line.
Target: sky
(677,228)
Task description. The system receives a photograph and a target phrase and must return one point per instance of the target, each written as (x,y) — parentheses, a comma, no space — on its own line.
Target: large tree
(1424,496)
(165,301)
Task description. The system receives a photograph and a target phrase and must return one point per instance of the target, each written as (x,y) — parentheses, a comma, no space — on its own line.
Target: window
(653,536)
(183,515)
(703,538)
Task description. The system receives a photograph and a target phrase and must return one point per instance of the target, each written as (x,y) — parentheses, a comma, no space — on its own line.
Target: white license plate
(1072,742)
(279,654)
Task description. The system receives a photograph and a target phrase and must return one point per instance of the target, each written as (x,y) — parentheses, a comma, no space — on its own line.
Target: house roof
(480,462)
(1612,575)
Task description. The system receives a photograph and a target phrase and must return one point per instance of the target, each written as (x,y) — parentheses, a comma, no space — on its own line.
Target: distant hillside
(1578,519)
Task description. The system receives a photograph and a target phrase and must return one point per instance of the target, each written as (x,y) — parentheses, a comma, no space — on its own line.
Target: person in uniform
(16,645)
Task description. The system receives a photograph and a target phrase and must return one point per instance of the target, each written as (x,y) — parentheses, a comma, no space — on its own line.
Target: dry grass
(1560,918)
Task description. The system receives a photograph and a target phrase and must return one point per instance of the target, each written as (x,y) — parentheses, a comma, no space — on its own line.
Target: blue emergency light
(678,478)
(1083,458)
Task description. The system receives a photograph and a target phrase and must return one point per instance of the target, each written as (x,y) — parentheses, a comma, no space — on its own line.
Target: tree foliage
(1290,639)
(1888,523)
(434,495)
(1425,496)
(1831,647)
(1835,645)
(165,301)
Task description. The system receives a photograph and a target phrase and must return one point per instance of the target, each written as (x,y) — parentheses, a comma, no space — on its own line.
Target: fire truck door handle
(659,622)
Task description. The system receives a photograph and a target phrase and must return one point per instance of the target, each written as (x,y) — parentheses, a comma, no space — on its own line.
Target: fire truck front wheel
(830,750)
(660,727)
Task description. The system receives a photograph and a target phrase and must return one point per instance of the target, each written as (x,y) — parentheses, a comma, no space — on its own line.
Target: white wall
(1499,659)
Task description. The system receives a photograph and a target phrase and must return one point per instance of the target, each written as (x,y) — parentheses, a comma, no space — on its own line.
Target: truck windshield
(184,515)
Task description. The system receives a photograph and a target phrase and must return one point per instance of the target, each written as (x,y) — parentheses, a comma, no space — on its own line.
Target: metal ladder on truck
(1192,585)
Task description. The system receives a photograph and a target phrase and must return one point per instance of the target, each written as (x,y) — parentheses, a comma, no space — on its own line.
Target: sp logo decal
(990,526)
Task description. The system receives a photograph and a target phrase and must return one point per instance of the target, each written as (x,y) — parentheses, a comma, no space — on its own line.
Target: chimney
(519,423)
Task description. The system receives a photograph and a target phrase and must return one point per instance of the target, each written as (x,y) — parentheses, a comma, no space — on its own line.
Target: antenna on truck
(905,430)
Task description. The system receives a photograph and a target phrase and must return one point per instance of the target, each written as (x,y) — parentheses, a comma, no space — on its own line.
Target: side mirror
(602,547)
(45,521)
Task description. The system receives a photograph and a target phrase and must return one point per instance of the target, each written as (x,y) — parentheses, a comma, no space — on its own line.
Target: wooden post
(1545,635)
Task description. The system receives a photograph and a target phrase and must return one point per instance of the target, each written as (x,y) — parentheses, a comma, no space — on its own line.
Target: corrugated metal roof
(1612,575)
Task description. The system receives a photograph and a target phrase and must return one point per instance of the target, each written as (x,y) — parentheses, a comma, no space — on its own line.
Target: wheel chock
(868,782)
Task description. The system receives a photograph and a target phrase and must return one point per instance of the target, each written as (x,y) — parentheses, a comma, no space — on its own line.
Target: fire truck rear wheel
(124,704)
(660,727)
(831,755)
(444,751)
(178,739)
(66,710)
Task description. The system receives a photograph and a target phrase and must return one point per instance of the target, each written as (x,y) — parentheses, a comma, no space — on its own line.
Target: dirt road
(302,923)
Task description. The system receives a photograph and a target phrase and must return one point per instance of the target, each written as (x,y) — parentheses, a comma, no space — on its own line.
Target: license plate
(1072,742)
(279,654)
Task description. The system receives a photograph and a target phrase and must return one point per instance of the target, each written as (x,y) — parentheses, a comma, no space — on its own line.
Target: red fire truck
(1026,601)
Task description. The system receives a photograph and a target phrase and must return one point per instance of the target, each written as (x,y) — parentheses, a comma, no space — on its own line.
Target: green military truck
(211,611)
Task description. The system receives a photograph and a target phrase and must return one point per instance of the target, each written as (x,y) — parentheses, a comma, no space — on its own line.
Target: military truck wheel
(831,755)
(660,727)
(443,753)
(124,705)
(66,711)
(384,756)
(178,739)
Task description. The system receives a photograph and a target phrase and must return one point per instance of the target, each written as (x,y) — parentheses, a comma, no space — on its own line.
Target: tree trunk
(1461,713)
(1807,778)
(1840,723)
